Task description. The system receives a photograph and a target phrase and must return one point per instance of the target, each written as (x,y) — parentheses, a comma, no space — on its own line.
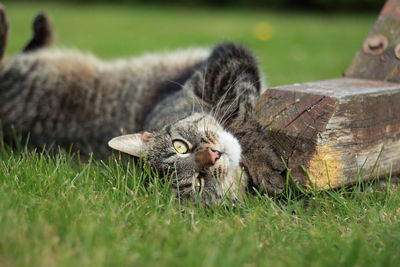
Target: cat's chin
(230,147)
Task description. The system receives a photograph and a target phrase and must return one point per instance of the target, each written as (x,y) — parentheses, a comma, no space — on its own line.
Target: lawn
(57,211)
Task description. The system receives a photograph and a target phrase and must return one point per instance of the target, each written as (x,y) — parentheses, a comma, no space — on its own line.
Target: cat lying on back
(191,104)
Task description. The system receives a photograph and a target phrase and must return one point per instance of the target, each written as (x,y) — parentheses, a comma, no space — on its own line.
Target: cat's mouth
(198,183)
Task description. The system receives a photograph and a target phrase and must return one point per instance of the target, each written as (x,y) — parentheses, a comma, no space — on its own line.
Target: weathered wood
(334,132)
(339,130)
(379,57)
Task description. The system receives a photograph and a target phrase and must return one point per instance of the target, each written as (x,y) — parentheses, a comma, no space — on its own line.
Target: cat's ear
(132,144)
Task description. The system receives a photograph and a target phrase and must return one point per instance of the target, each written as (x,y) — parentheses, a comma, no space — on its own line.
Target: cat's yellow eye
(180,146)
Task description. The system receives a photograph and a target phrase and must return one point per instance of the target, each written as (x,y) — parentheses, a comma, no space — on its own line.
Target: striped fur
(63,98)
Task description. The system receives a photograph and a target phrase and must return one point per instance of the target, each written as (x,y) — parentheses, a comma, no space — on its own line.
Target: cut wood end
(325,168)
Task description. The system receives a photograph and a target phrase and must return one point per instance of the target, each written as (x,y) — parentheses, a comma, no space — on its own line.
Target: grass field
(56,211)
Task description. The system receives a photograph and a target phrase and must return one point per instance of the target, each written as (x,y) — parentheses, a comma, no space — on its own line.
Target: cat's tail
(42,33)
(3,31)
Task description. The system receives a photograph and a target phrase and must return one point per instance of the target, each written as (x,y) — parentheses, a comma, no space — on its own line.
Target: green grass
(59,211)
(62,212)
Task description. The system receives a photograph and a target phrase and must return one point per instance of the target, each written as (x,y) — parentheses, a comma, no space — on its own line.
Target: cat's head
(201,158)
(200,155)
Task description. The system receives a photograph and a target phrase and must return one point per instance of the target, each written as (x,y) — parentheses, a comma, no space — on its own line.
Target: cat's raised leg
(230,78)
(42,33)
(3,31)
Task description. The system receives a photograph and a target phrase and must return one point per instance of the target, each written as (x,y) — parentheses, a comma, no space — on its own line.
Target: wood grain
(339,130)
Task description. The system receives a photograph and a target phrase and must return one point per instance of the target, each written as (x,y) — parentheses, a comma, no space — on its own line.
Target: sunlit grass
(57,210)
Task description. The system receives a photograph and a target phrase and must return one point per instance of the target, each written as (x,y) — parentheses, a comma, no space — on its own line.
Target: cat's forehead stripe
(168,129)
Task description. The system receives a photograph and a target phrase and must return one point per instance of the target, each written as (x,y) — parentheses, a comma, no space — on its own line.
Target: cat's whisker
(230,105)
(201,104)
(226,120)
(175,82)
(227,111)
(220,102)
(194,98)
(222,99)
(233,102)
(203,88)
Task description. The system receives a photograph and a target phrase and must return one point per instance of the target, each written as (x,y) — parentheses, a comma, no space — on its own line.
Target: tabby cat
(190,102)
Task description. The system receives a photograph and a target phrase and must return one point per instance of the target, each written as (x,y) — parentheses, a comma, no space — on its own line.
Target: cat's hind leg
(42,33)
(3,31)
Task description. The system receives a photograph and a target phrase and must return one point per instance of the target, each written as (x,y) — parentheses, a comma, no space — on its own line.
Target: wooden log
(379,56)
(332,133)
(338,130)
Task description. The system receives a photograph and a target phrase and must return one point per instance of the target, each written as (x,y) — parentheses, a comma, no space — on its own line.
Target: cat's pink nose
(214,155)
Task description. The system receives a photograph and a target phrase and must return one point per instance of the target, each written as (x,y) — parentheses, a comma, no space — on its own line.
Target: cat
(187,109)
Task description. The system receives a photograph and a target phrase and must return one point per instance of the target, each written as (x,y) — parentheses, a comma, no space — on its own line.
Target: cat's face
(201,157)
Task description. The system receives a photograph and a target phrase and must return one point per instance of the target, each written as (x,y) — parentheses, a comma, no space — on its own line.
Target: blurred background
(295,41)
(307,4)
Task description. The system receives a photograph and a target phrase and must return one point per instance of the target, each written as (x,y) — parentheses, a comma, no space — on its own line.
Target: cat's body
(190,103)
(75,99)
